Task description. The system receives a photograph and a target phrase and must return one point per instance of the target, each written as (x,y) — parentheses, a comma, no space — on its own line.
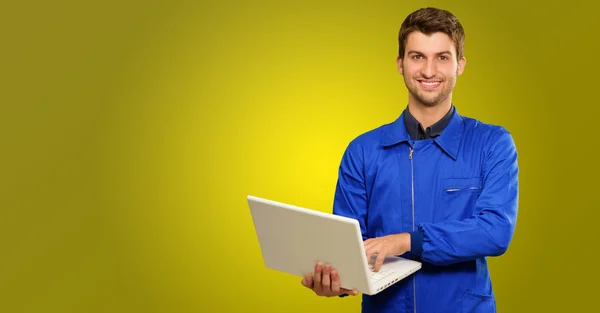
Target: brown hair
(429,21)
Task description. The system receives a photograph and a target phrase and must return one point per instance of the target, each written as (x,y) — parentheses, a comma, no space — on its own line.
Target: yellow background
(132,131)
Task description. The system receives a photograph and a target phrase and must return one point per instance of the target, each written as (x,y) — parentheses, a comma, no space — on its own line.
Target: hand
(325,281)
(396,244)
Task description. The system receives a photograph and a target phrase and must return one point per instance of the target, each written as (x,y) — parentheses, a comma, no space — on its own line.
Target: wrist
(403,243)
(407,241)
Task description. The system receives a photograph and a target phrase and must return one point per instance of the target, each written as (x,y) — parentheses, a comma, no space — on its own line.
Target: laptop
(293,239)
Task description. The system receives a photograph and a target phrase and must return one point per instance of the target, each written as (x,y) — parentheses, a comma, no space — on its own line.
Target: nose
(428,70)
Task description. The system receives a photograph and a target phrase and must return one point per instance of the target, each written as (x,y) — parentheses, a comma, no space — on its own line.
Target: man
(432,186)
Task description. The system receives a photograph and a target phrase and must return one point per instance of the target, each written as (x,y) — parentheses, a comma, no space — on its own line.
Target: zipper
(412,185)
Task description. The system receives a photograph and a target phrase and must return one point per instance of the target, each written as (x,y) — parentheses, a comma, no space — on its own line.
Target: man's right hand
(325,281)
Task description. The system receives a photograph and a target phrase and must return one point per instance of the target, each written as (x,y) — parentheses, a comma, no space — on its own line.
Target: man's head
(431,55)
(429,21)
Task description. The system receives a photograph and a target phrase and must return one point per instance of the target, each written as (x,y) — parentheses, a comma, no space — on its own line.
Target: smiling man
(433,185)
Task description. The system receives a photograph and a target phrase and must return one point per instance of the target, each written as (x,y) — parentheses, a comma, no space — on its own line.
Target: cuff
(416,242)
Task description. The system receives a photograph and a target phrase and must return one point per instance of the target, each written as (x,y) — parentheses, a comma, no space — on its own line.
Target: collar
(415,129)
(448,140)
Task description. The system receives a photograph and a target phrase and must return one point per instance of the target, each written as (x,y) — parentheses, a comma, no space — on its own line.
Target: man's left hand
(396,244)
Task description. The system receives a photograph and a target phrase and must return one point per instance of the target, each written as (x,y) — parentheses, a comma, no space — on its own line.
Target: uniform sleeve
(489,231)
(350,198)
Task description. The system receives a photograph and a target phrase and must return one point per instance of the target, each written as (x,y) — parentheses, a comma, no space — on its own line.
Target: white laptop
(292,239)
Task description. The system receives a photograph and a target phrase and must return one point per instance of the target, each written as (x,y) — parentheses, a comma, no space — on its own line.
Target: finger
(369,243)
(335,282)
(326,278)
(370,252)
(307,281)
(379,260)
(352,292)
(317,277)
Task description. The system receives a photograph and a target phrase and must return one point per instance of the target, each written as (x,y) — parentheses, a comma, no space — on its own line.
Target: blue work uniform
(455,193)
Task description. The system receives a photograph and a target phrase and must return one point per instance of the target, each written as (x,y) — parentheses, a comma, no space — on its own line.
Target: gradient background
(132,132)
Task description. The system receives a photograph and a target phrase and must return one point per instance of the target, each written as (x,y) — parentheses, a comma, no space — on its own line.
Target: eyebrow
(439,53)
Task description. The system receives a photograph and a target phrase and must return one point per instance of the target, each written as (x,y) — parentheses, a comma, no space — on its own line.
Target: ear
(399,62)
(461,65)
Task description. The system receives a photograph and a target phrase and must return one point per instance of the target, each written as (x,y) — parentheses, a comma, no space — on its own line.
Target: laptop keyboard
(375,276)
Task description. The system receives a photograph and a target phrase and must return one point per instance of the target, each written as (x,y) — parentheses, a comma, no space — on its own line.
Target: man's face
(430,68)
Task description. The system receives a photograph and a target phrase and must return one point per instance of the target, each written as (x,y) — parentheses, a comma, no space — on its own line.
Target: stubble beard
(427,98)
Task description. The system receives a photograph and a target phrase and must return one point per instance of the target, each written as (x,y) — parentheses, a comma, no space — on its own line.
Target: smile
(429,84)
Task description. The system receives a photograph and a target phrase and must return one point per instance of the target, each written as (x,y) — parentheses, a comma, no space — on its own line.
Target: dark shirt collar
(449,140)
(416,131)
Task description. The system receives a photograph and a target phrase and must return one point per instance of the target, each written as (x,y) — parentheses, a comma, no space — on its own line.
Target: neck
(429,115)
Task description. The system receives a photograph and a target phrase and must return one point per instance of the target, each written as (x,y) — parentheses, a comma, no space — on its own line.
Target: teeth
(430,83)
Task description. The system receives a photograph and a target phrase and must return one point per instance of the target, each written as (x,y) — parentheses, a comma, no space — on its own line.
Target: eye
(443,58)
(417,57)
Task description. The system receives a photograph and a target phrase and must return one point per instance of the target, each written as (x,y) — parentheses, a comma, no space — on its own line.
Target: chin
(429,102)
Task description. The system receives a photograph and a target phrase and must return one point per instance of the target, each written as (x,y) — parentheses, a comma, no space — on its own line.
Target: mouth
(429,84)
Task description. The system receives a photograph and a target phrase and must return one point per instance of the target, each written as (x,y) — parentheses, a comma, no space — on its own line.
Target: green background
(131,133)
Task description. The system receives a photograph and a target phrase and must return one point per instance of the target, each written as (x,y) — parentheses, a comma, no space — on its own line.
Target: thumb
(307,281)
(352,292)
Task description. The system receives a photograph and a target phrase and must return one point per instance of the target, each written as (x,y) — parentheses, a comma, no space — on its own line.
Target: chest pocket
(459,196)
